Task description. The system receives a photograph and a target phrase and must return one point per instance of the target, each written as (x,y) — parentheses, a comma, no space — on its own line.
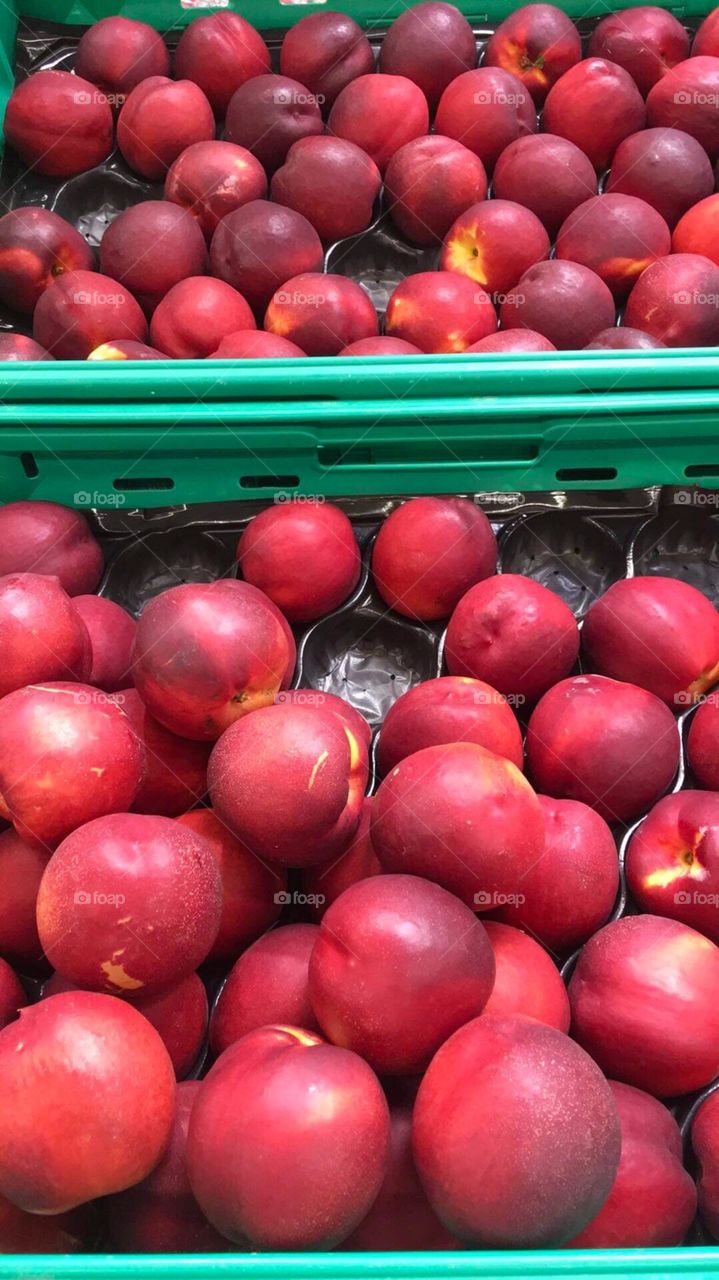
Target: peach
(58,123)
(537,43)
(511,340)
(571,890)
(399,965)
(546,174)
(677,301)
(527,980)
(325,51)
(514,633)
(160,1214)
(43,633)
(431,44)
(212,179)
(440,311)
(123,350)
(255,344)
(44,537)
(595,104)
(705,1145)
(643,1004)
(666,167)
(659,633)
(703,744)
(564,301)
(219,53)
(381,346)
(15,346)
(37,246)
(67,755)
(645,40)
(259,247)
(685,98)
(12,994)
(321,313)
(672,861)
(83,309)
(252,891)
(698,230)
(268,984)
(620,338)
(289,780)
(494,243)
(323,884)
(129,904)
(461,816)
(159,120)
(705,41)
(180,1016)
(428,183)
(21,868)
(312,1124)
(268,113)
(207,653)
(152,246)
(617,236)
(609,744)
(429,552)
(176,775)
(112,633)
(486,110)
(92,1128)
(117,53)
(449,709)
(550,1135)
(304,556)
(653,1200)
(380,113)
(331,182)
(195,315)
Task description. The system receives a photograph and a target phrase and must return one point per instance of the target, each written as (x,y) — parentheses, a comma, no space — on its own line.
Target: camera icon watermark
(285,898)
(85,898)
(283,497)
(695,498)
(83,498)
(683,898)
(486,898)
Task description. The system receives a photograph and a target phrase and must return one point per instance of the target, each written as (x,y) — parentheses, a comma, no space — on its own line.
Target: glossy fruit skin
(42,633)
(118,53)
(36,245)
(45,537)
(672,861)
(268,984)
(527,980)
(219,53)
(58,123)
(430,43)
(449,709)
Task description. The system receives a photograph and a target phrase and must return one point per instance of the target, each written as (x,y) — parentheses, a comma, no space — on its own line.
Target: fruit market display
(419,188)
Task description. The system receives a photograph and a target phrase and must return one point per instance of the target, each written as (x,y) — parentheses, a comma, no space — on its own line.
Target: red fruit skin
(112,632)
(515,634)
(672,861)
(176,774)
(658,633)
(494,243)
(22,1232)
(219,53)
(705,1143)
(449,709)
(324,1164)
(196,663)
(331,182)
(15,346)
(129,904)
(486,109)
(268,113)
(571,890)
(520,340)
(358,860)
(212,179)
(666,167)
(646,41)
(622,764)
(117,54)
(44,537)
(595,104)
(159,120)
(12,994)
(121,350)
(622,339)
(706,40)
(564,301)
(554,1148)
(304,556)
(473,823)
(674,301)
(81,311)
(703,744)
(252,891)
(92,1130)
(527,980)
(160,1214)
(685,98)
(21,869)
(537,43)
(255,344)
(260,246)
(653,1200)
(193,318)
(698,230)
(617,236)
(289,781)
(321,313)
(36,246)
(67,755)
(58,123)
(268,984)
(429,182)
(642,998)
(42,633)
(430,44)
(381,346)
(546,174)
(325,51)
(440,311)
(180,1016)
(380,113)
(152,246)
